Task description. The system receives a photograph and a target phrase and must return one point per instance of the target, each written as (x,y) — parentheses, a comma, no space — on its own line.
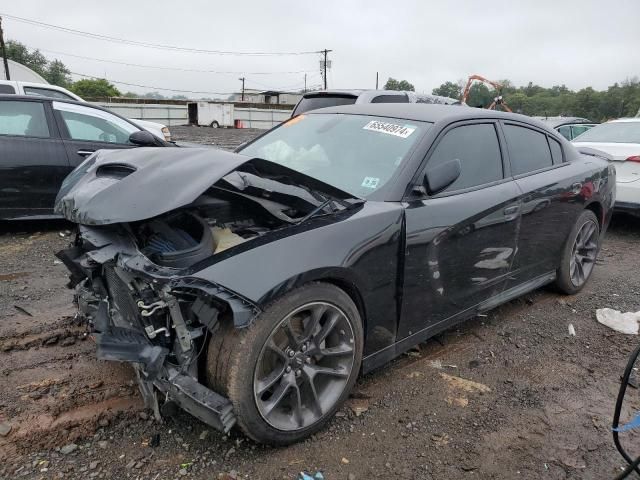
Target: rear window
(391,99)
(46,92)
(324,101)
(614,132)
(7,89)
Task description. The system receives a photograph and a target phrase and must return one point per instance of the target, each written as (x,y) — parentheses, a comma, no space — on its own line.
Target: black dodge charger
(251,288)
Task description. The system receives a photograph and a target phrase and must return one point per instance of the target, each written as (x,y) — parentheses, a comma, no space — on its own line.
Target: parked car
(8,87)
(43,139)
(568,127)
(620,142)
(252,287)
(332,98)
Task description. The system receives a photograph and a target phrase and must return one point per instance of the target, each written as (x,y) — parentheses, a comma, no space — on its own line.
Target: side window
(25,119)
(390,99)
(477,148)
(565,131)
(92,124)
(7,89)
(556,151)
(528,149)
(579,129)
(46,92)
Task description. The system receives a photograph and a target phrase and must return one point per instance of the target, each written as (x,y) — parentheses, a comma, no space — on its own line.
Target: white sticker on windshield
(370,182)
(402,131)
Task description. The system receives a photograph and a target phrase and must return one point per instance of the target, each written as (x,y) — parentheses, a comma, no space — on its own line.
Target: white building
(271,97)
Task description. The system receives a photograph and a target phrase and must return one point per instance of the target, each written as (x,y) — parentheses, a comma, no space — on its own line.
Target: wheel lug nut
(298,373)
(291,353)
(288,369)
(304,348)
(308,359)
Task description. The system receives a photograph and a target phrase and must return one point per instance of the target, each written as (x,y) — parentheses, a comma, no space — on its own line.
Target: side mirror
(143,138)
(438,178)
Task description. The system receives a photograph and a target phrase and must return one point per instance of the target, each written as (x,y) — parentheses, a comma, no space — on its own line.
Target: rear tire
(288,373)
(579,254)
(215,124)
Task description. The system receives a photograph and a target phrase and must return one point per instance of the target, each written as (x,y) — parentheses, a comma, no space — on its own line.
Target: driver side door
(460,242)
(85,129)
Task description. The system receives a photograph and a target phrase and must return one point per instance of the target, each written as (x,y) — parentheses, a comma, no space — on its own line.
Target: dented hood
(120,186)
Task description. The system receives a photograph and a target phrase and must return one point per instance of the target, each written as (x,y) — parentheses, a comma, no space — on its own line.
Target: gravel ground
(539,403)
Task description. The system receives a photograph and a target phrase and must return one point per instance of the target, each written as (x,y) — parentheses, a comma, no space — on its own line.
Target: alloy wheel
(585,251)
(304,366)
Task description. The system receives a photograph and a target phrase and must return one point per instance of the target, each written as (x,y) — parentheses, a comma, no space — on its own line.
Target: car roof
(559,121)
(38,98)
(425,112)
(620,120)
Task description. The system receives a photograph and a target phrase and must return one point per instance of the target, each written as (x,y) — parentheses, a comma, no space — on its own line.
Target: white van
(53,91)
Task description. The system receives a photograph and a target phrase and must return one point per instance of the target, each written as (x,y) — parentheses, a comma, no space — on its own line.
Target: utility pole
(376,80)
(325,51)
(242,80)
(305,83)
(4,53)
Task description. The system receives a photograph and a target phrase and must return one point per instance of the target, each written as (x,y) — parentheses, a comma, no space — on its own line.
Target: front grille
(125,310)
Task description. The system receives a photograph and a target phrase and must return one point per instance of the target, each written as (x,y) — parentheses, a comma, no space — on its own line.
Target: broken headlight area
(144,312)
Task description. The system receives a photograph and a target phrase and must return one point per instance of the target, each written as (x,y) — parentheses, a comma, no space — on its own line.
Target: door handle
(511,210)
(85,153)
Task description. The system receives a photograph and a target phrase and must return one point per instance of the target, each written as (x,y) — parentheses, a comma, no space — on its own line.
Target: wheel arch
(343,278)
(596,208)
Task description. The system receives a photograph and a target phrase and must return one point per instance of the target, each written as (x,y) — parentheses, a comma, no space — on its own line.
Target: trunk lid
(626,172)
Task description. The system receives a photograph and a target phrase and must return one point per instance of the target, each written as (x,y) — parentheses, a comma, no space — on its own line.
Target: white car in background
(53,91)
(620,140)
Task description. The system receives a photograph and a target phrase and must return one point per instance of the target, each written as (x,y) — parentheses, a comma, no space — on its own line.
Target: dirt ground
(538,406)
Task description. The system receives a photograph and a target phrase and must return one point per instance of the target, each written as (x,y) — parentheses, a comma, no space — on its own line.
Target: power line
(169,68)
(146,44)
(157,88)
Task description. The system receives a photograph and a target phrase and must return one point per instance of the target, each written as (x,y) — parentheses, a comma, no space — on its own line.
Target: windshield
(614,132)
(322,101)
(355,153)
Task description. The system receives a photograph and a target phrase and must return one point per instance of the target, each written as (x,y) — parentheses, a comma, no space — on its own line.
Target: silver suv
(333,98)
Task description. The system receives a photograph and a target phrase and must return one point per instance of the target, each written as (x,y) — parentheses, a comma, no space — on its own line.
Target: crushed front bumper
(155,319)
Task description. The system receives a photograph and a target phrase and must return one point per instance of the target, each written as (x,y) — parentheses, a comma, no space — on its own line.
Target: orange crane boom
(496,101)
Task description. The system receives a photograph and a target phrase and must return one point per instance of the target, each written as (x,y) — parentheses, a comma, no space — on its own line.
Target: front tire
(215,124)
(579,254)
(288,373)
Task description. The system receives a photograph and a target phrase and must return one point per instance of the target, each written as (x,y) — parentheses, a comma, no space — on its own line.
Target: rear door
(552,199)
(86,129)
(33,161)
(460,243)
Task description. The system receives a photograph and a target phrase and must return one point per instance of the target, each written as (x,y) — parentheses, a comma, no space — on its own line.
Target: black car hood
(120,186)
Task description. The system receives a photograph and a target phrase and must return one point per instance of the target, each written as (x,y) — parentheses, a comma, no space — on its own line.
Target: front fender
(362,251)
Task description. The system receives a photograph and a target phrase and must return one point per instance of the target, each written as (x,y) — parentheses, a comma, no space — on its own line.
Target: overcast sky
(573,42)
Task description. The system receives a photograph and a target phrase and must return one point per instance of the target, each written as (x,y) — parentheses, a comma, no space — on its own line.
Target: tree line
(619,100)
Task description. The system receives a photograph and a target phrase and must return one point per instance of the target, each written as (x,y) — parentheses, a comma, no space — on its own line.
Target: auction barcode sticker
(402,131)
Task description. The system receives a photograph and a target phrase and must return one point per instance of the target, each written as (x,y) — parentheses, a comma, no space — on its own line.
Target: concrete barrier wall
(260,118)
(177,114)
(165,114)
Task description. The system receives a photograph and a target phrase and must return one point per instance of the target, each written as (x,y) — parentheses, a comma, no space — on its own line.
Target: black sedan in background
(252,287)
(43,139)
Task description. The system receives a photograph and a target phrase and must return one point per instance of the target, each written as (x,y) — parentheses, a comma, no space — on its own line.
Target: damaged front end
(149,222)
(148,315)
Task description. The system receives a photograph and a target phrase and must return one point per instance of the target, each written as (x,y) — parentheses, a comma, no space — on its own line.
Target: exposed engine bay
(137,261)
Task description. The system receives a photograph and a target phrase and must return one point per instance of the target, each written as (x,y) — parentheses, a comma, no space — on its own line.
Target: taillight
(634,158)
